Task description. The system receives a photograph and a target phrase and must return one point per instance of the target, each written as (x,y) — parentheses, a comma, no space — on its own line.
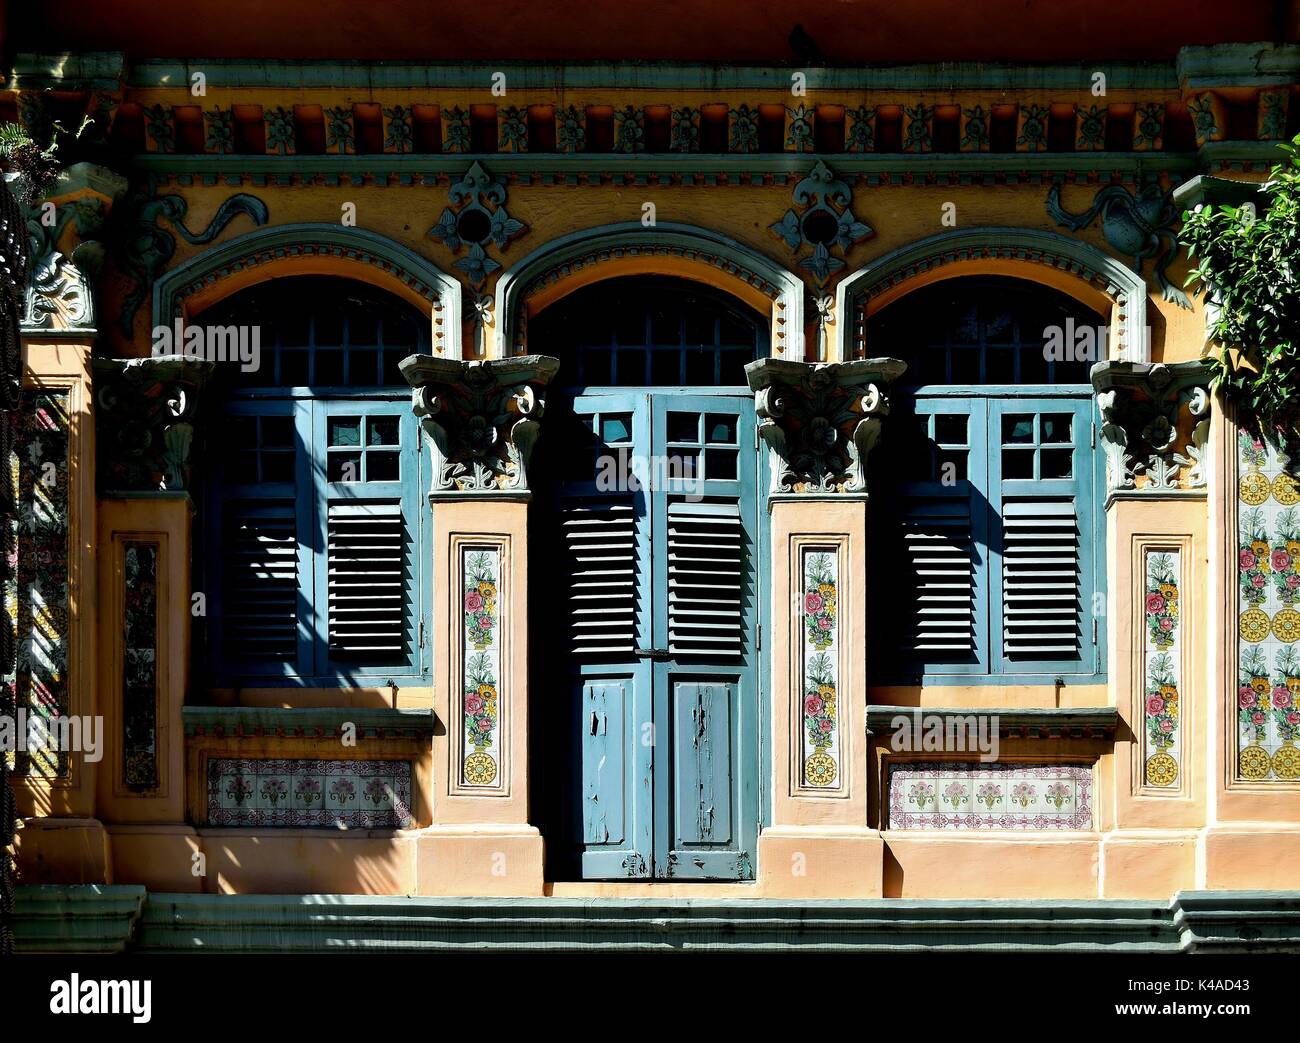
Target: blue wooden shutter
(1043,472)
(367,520)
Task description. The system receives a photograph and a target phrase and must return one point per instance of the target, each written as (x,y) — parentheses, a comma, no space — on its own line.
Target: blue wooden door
(657,520)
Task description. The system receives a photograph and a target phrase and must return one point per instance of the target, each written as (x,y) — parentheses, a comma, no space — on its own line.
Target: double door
(654,639)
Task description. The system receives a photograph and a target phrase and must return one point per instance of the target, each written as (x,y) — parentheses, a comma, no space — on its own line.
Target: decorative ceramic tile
(36,584)
(1268,570)
(821,730)
(952,796)
(140,666)
(309,793)
(481,658)
(1162,651)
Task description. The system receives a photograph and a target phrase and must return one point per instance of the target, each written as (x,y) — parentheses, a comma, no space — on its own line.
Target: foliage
(37,168)
(1246,261)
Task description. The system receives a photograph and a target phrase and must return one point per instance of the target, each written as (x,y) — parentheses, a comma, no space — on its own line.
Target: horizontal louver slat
(261,574)
(939,579)
(1042,612)
(599,541)
(706,570)
(366,568)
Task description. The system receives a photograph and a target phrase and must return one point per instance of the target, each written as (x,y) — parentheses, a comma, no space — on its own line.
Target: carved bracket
(481,419)
(1155,425)
(145,421)
(821,421)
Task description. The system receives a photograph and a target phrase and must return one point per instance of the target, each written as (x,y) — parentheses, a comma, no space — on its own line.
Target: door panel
(661,600)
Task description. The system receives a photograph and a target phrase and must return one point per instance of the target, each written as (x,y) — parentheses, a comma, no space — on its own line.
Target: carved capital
(821,421)
(1155,425)
(481,419)
(145,421)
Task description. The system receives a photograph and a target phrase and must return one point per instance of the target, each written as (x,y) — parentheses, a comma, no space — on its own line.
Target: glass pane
(1017,463)
(277,466)
(733,368)
(1033,366)
(700,367)
(1057,463)
(596,368)
(382,430)
(344,467)
(950,428)
(1058,427)
(277,432)
(684,462)
(243,430)
(329,369)
(721,464)
(293,369)
(243,468)
(666,367)
(616,427)
(392,375)
(950,466)
(965,365)
(683,427)
(344,430)
(1018,429)
(383,466)
(999,366)
(720,429)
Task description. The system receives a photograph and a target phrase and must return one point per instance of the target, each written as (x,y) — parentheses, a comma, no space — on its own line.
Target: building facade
(661,482)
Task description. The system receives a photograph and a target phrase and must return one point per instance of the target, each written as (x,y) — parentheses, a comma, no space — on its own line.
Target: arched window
(314,522)
(986,508)
(650,332)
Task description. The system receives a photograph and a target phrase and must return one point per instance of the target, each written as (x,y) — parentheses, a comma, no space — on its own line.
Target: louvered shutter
(939,579)
(706,570)
(599,539)
(261,581)
(367,548)
(1041,604)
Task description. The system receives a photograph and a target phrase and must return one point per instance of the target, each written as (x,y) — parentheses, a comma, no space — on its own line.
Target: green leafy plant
(37,168)
(1246,260)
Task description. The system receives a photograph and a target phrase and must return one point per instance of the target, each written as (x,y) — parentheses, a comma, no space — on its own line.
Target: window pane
(277,466)
(277,431)
(1017,463)
(683,427)
(1057,463)
(329,369)
(1018,429)
(345,430)
(1058,427)
(951,466)
(344,467)
(950,428)
(721,464)
(383,466)
(616,427)
(382,430)
(720,429)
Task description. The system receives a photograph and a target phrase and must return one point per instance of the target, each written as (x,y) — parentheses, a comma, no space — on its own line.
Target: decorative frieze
(994,797)
(1268,621)
(1155,425)
(481,703)
(140,665)
(819,613)
(36,591)
(481,419)
(1161,670)
(821,421)
(145,421)
(337,794)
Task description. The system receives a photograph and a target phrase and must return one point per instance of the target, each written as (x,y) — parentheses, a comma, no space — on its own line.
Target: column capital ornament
(1155,425)
(481,418)
(821,421)
(144,424)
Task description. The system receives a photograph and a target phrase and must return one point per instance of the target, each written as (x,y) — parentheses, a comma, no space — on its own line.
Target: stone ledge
(1089,722)
(82,918)
(308,722)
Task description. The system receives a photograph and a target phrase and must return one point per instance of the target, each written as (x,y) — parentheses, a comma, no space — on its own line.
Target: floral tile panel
(1268,607)
(954,796)
(1162,656)
(309,793)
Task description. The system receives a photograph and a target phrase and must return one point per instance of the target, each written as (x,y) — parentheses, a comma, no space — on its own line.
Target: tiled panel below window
(309,793)
(943,796)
